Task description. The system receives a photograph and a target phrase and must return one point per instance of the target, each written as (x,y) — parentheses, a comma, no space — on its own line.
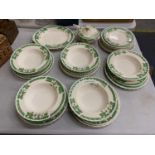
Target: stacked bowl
(41,101)
(79,60)
(93,102)
(127,69)
(113,38)
(31,60)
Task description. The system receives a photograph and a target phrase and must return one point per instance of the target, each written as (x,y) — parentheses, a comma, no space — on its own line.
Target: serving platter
(54,37)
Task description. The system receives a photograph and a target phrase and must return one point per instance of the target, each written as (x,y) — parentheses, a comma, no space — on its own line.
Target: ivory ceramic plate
(127,65)
(30,59)
(117,36)
(53,36)
(92,99)
(40,98)
(79,57)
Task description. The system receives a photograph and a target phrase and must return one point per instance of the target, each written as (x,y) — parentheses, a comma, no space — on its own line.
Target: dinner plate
(79,57)
(30,59)
(127,65)
(92,99)
(117,37)
(40,98)
(124,86)
(54,37)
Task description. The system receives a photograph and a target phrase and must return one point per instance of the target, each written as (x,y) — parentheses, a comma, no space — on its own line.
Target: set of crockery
(41,101)
(114,38)
(93,102)
(88,34)
(54,37)
(31,60)
(127,69)
(79,60)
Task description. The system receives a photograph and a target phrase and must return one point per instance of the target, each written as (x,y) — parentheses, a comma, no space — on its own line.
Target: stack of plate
(54,37)
(41,101)
(93,102)
(79,60)
(113,38)
(31,60)
(126,69)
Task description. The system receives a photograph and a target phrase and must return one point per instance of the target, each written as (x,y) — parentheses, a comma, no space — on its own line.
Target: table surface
(137,107)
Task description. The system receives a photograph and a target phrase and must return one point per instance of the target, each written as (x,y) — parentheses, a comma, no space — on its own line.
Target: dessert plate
(53,36)
(127,65)
(117,36)
(92,99)
(30,59)
(79,57)
(40,98)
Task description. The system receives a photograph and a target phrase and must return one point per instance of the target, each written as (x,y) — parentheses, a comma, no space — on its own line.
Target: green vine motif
(21,94)
(77,109)
(34,116)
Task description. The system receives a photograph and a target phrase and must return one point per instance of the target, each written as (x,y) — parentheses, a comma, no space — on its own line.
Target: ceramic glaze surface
(39,98)
(91,98)
(30,57)
(79,57)
(127,65)
(118,37)
(88,31)
(53,37)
